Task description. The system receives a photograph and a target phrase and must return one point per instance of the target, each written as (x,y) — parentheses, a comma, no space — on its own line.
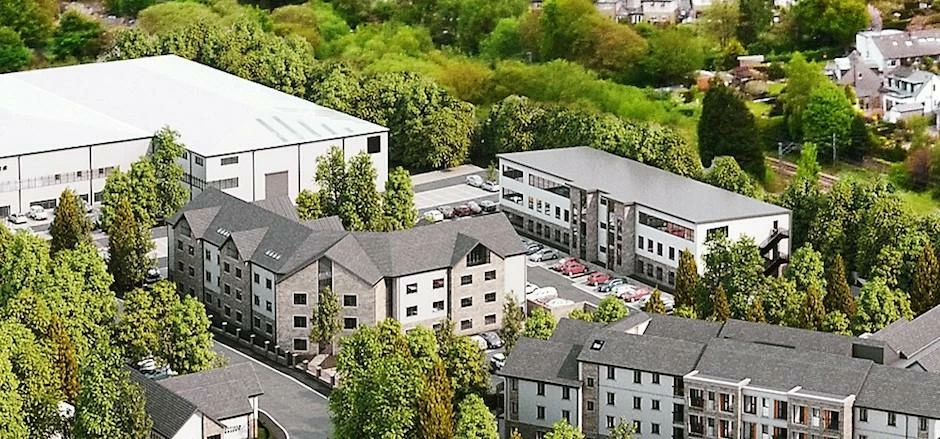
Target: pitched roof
(899,44)
(681,328)
(644,352)
(543,360)
(630,181)
(169,411)
(901,391)
(573,331)
(281,205)
(909,337)
(221,393)
(794,338)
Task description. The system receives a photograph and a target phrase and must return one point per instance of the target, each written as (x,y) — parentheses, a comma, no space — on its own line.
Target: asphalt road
(544,277)
(301,410)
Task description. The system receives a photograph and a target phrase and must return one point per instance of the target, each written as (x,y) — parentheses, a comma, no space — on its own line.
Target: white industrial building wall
(666,239)
(424,298)
(272,161)
(758,228)
(215,170)
(309,152)
(357,144)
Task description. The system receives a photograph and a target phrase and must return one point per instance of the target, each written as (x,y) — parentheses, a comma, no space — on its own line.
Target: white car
(530,287)
(17,218)
(37,213)
(498,361)
(479,341)
(434,216)
(623,290)
(490,186)
(475,180)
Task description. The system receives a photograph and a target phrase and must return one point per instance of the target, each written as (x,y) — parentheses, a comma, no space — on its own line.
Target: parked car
(561,263)
(544,255)
(88,207)
(462,210)
(433,216)
(542,293)
(636,295)
(479,341)
(492,339)
(530,287)
(152,276)
(573,268)
(498,361)
(610,284)
(533,248)
(475,180)
(17,218)
(37,213)
(491,186)
(597,278)
(489,206)
(474,207)
(447,211)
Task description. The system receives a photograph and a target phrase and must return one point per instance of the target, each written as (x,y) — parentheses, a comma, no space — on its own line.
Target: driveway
(301,410)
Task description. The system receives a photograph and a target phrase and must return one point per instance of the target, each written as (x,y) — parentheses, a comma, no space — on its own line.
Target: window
(666,226)
(208,276)
(466,324)
(228,311)
(374,144)
(610,422)
(750,404)
(208,255)
(863,415)
(637,426)
(238,295)
(590,382)
(267,305)
(639,242)
(268,328)
(411,311)
(672,253)
(541,389)
(192,251)
(257,279)
(300,344)
(490,297)
(226,267)
(350,300)
(238,273)
(565,393)
(566,415)
(267,283)
(611,398)
(922,424)
(257,322)
(659,248)
(590,406)
(611,373)
(300,298)
(230,161)
(655,378)
(466,302)
(489,275)
(540,412)
(201,162)
(438,283)
(438,306)
(300,321)
(478,256)
(228,290)
(466,280)
(892,419)
(179,244)
(179,266)
(637,403)
(654,429)
(714,233)
(349,323)
(192,272)
(257,300)
(411,288)
(209,298)
(637,377)
(489,319)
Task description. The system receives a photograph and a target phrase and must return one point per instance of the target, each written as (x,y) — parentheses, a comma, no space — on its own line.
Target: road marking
(278,424)
(273,370)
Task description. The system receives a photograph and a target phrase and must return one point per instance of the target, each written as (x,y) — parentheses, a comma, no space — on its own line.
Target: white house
(907,92)
(887,49)
(71,126)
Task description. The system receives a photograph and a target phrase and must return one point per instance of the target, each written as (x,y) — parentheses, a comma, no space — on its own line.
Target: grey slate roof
(700,331)
(910,337)
(281,205)
(168,410)
(644,352)
(574,332)
(631,321)
(543,360)
(794,338)
(221,393)
(901,391)
(783,368)
(630,181)
(909,44)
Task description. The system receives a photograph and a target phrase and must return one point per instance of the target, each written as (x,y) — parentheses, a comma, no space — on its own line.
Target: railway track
(788,169)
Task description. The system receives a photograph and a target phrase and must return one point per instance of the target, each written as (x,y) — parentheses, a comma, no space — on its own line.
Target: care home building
(259,270)
(69,127)
(629,217)
(679,378)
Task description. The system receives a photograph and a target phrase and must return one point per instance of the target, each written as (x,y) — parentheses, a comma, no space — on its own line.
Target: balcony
(696,403)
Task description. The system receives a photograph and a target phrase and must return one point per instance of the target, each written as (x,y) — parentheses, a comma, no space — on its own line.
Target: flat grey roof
(216,113)
(630,181)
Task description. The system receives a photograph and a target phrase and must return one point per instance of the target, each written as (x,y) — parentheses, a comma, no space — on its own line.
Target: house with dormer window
(908,92)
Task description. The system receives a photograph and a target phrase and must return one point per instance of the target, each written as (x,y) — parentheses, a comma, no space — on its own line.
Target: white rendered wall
(758,228)
(624,389)
(424,298)
(236,428)
(514,278)
(192,429)
(211,265)
(877,427)
(529,401)
(527,191)
(261,290)
(667,239)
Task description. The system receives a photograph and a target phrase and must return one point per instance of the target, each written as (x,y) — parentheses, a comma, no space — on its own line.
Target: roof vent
(272,254)
(223,232)
(597,345)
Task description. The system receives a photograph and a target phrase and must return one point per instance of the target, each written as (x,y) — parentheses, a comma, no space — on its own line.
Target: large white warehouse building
(72,126)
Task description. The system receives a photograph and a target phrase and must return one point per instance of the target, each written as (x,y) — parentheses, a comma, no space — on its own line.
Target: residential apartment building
(69,127)
(631,218)
(259,269)
(680,378)
(888,49)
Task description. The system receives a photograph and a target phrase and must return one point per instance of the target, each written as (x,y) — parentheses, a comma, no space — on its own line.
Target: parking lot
(450,195)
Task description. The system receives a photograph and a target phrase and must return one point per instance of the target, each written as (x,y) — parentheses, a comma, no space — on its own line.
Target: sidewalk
(430,177)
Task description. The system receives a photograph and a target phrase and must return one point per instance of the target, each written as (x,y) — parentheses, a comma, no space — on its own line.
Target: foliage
(474,420)
(726,174)
(687,279)
(802,196)
(839,296)
(836,322)
(563,430)
(65,357)
(737,267)
(174,16)
(14,55)
(70,227)
(436,406)
(828,113)
(813,311)
(138,187)
(755,16)
(926,281)
(189,337)
(655,303)
(109,405)
(79,36)
(513,321)
(581,314)
(755,312)
(324,321)
(623,430)
(610,309)
(727,127)
(505,41)
(398,201)
(129,245)
(822,23)
(721,310)
(33,20)
(685,311)
(165,151)
(879,306)
(806,269)
(540,324)
(465,362)
(802,78)
(308,205)
(348,190)
(673,57)
(300,20)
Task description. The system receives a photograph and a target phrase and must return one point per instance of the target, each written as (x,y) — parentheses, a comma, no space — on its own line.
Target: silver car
(17,218)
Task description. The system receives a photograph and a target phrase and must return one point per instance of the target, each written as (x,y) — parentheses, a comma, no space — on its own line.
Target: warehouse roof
(630,181)
(215,113)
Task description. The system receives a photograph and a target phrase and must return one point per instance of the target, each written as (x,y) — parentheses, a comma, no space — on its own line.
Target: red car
(573,268)
(597,278)
(462,210)
(562,262)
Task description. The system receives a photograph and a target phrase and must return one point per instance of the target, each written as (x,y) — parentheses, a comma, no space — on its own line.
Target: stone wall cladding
(477,291)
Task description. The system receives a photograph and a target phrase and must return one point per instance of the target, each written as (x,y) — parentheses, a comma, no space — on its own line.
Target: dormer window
(478,256)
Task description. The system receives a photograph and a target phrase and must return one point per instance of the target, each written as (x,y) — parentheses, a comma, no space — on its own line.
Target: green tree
(623,430)
(25,265)
(465,362)
(655,303)
(398,201)
(362,195)
(726,174)
(540,324)
(686,312)
(806,269)
(802,78)
(814,313)
(109,405)
(142,330)
(12,423)
(300,20)
(66,361)
(33,20)
(720,22)
(504,42)
(674,56)
(727,127)
(563,430)
(926,281)
(474,420)
(735,265)
(827,118)
(331,178)
(324,321)
(581,314)
(879,306)
(70,227)
(687,279)
(138,186)
(839,296)
(721,311)
(832,23)
(165,151)
(836,322)
(476,19)
(190,337)
(436,406)
(755,312)
(755,18)
(610,309)
(804,197)
(513,322)
(129,245)
(14,55)
(79,36)
(308,205)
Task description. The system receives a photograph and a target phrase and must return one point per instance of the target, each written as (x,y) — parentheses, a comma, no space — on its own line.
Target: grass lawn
(759,109)
(774,88)
(921,203)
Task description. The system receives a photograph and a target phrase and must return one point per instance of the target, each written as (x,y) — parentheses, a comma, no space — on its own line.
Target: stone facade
(590,423)
(234,287)
(477,311)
